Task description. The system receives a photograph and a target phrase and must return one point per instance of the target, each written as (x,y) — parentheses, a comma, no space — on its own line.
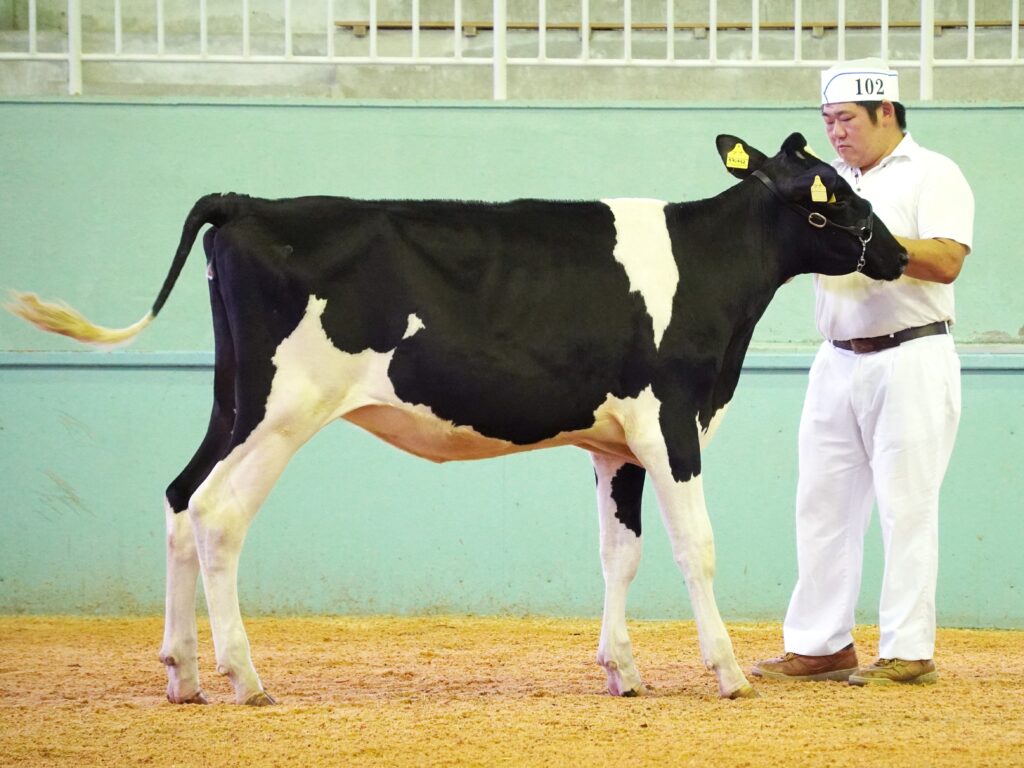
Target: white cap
(859,80)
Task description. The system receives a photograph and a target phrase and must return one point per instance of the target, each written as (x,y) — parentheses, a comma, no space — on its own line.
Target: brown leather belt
(878,343)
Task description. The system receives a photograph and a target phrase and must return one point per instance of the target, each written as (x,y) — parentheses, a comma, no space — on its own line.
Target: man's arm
(936,260)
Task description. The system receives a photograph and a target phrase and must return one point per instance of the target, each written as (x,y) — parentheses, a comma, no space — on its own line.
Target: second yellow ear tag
(737,158)
(818,192)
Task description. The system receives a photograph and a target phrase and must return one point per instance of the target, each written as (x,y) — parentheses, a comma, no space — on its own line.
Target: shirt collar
(907,148)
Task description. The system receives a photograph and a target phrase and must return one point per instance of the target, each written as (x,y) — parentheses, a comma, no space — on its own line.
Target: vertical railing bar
(841,30)
(670,30)
(161,40)
(457,32)
(713,31)
(927,48)
(584,29)
(415,29)
(373,29)
(627,30)
(204,37)
(1014,29)
(118,28)
(288,47)
(500,50)
(74,48)
(883,44)
(33,30)
(330,29)
(798,31)
(246,30)
(971,21)
(542,29)
(755,30)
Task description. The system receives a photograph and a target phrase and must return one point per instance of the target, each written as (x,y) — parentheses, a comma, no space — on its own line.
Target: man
(883,399)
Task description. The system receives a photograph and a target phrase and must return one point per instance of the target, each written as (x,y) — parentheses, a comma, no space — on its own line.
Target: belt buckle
(862,346)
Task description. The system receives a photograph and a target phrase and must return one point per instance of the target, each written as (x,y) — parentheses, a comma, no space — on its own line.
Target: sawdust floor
(486,692)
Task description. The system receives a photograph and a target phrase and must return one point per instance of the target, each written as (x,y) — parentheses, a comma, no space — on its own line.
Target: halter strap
(863,233)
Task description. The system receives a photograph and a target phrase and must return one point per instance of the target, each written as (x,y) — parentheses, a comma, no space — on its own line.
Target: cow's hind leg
(221,512)
(685,515)
(619,492)
(179,651)
(269,429)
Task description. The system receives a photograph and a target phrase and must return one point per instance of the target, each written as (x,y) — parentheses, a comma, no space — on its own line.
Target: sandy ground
(486,692)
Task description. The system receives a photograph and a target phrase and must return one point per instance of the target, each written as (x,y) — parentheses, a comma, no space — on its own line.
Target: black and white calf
(458,330)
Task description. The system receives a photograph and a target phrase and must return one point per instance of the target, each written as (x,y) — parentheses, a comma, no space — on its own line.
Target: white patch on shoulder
(643,247)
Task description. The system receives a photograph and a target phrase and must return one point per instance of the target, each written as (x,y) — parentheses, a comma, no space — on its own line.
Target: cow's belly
(316,383)
(428,437)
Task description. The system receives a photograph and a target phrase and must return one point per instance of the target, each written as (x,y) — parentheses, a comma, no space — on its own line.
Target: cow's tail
(58,317)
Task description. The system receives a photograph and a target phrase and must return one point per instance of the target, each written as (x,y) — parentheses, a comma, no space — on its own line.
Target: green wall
(92,197)
(93,194)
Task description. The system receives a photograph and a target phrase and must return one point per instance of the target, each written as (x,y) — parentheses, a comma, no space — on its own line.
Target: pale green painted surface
(355,526)
(92,197)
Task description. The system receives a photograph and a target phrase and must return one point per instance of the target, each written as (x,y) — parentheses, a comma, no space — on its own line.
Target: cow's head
(825,226)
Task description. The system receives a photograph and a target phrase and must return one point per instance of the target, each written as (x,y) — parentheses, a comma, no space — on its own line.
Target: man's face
(859,141)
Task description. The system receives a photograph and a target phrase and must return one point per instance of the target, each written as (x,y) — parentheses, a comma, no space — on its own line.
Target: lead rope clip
(862,262)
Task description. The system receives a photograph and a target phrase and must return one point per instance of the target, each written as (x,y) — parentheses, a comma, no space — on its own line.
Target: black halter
(863,231)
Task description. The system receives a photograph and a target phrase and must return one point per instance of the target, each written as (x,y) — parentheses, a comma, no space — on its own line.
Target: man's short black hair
(872,108)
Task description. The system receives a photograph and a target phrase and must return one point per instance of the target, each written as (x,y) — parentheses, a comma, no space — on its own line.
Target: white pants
(875,427)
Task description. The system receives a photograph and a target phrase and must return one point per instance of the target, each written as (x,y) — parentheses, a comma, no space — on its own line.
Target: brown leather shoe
(896,671)
(799,668)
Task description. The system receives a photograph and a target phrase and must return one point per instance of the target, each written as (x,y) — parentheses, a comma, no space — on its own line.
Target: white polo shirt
(919,194)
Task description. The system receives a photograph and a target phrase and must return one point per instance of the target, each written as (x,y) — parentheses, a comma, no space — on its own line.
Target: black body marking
(627,493)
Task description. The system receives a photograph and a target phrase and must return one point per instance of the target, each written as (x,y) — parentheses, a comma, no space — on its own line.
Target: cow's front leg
(179,651)
(686,520)
(619,492)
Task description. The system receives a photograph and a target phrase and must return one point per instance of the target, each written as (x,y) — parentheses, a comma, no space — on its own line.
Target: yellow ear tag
(832,199)
(818,192)
(737,158)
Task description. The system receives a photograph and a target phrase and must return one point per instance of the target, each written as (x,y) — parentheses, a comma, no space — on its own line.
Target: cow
(467,330)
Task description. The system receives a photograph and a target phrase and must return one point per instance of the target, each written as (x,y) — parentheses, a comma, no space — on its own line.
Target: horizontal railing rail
(360,27)
(302,40)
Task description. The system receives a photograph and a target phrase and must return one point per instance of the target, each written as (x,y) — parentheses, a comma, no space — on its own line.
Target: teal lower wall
(355,526)
(92,198)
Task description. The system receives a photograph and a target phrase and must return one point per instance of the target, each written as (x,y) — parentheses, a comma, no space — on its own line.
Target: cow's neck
(721,301)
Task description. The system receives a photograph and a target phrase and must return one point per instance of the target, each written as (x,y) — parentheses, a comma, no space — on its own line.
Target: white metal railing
(631,39)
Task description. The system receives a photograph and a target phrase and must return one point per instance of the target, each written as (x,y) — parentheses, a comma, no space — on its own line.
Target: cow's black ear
(795,143)
(739,157)
(796,146)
